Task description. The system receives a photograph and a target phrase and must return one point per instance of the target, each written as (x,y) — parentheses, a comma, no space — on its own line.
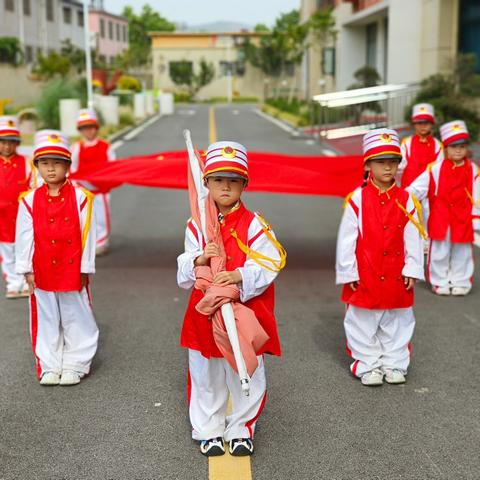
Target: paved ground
(128,419)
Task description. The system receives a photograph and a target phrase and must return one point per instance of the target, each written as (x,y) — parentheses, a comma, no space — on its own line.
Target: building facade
(110,34)
(42,25)
(223,50)
(404,40)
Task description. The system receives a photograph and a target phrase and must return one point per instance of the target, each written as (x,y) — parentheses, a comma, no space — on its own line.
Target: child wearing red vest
(420,149)
(452,188)
(92,150)
(15,175)
(55,250)
(379,256)
(211,378)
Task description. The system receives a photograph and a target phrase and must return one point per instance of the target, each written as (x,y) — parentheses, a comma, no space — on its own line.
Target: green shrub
(126,118)
(126,82)
(182,97)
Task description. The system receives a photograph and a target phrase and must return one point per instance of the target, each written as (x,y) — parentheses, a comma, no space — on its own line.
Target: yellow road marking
(227,467)
(212,126)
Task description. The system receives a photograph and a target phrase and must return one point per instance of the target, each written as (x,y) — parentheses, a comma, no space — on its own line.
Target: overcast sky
(203,11)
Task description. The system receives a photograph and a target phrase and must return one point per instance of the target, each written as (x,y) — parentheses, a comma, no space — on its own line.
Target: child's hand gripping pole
(227,310)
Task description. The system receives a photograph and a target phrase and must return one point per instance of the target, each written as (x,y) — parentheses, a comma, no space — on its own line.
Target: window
(226,68)
(328,61)
(371,32)
(124,28)
(50,14)
(27,10)
(28,54)
(67,15)
(39,52)
(117,31)
(10,5)
(80,18)
(289,69)
(110,30)
(102,28)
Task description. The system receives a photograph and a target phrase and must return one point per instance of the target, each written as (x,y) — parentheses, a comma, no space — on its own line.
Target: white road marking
(235,112)
(116,145)
(471,319)
(141,128)
(276,122)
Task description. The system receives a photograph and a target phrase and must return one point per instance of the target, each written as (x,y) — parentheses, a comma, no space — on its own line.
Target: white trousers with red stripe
(102,214)
(211,381)
(63,331)
(450,264)
(379,338)
(14,281)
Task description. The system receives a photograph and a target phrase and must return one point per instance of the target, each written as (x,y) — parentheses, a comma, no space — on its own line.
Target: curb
(124,131)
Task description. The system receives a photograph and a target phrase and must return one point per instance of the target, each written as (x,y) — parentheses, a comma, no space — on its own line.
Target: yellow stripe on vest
(86,229)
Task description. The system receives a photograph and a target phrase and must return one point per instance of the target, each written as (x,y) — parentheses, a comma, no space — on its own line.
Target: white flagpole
(88,54)
(227,310)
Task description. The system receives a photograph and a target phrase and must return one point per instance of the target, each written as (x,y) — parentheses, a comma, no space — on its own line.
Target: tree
(10,50)
(365,77)
(182,74)
(74,54)
(53,65)
(139,27)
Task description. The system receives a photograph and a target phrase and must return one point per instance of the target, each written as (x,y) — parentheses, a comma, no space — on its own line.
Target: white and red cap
(381,143)
(9,129)
(454,133)
(226,159)
(423,112)
(51,144)
(87,118)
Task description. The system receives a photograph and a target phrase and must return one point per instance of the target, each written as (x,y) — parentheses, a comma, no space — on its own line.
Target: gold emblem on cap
(54,138)
(456,127)
(423,109)
(11,123)
(229,152)
(386,137)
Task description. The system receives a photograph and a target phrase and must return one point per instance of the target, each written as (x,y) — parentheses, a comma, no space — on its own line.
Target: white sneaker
(441,290)
(70,377)
(460,291)
(394,376)
(50,378)
(373,378)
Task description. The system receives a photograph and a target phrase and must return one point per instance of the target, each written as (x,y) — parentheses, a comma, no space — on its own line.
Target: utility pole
(88,54)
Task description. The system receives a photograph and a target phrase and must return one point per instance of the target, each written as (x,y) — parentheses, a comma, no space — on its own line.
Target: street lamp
(88,54)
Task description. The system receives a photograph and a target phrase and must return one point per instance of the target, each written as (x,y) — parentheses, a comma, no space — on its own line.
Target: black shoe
(213,447)
(240,447)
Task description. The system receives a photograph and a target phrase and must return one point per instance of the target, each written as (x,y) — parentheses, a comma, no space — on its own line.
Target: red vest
(451,206)
(419,156)
(57,238)
(95,155)
(380,251)
(13,181)
(197,332)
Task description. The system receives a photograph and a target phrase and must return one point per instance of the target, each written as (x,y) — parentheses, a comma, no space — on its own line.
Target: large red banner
(269,172)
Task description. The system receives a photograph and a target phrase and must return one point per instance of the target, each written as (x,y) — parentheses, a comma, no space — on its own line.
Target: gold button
(52,220)
(382,278)
(54,261)
(385,254)
(69,241)
(53,242)
(229,258)
(70,261)
(50,200)
(385,227)
(398,254)
(62,199)
(382,203)
(67,219)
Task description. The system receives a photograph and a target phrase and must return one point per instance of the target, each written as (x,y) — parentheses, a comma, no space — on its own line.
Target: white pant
(14,281)
(379,338)
(450,264)
(63,331)
(102,214)
(211,381)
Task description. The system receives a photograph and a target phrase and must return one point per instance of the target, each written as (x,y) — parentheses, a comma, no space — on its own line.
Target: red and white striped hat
(87,118)
(226,159)
(454,133)
(423,112)
(9,129)
(51,144)
(381,143)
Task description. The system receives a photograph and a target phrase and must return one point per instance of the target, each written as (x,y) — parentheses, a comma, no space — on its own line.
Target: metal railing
(353,112)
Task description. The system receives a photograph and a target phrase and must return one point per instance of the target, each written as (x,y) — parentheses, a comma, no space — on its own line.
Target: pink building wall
(112,38)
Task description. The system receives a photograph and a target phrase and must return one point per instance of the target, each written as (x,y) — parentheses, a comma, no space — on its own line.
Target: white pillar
(69,108)
(108,106)
(139,105)
(149,103)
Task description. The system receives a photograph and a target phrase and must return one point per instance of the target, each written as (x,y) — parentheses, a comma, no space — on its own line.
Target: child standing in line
(15,175)
(379,256)
(420,149)
(92,150)
(246,236)
(452,188)
(55,250)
